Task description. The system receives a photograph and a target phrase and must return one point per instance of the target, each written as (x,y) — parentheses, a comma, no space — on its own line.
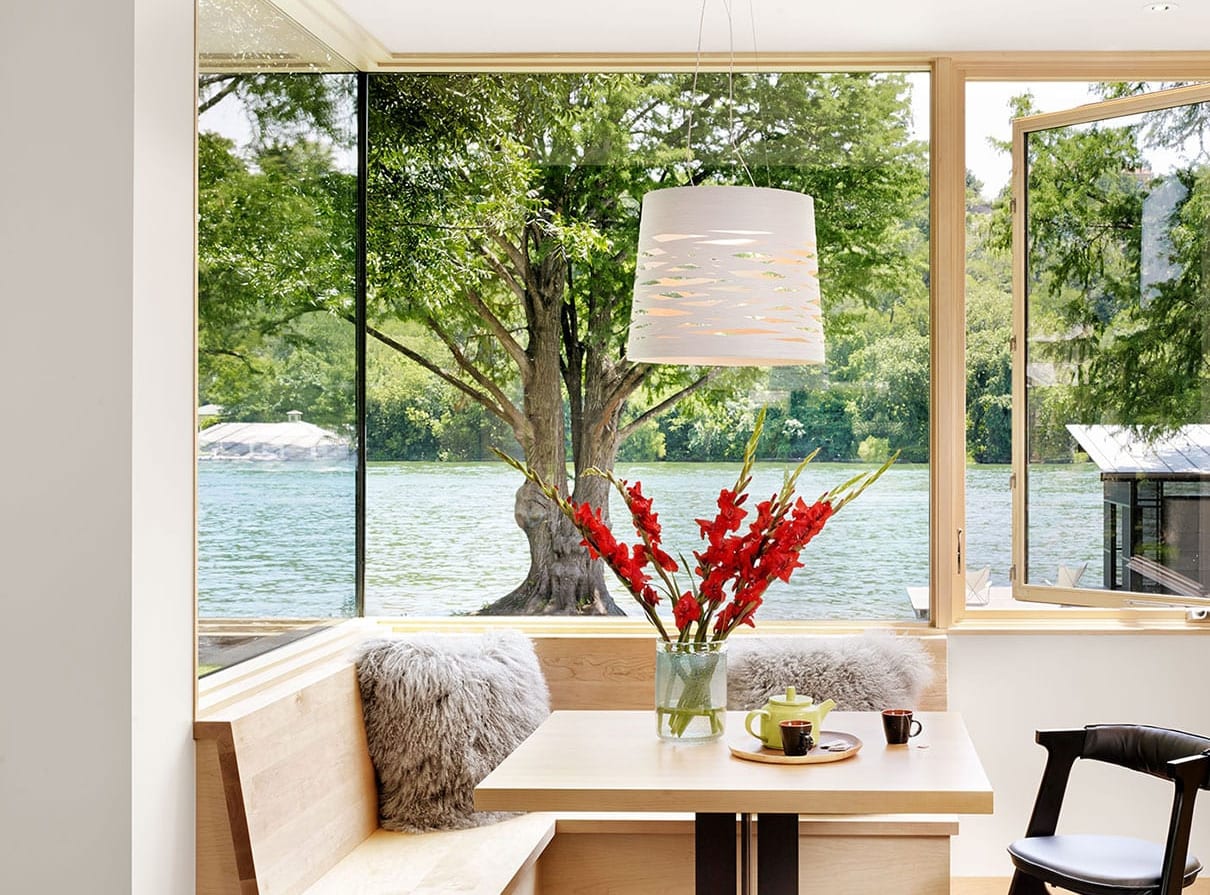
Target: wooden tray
(749,748)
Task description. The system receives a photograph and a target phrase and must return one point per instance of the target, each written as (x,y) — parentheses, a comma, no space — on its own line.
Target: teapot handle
(758,713)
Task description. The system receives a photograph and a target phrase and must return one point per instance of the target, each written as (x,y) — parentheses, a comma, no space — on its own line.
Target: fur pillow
(441,711)
(862,673)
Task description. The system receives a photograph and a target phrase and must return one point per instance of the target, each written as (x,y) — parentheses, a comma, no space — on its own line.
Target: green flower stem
(694,700)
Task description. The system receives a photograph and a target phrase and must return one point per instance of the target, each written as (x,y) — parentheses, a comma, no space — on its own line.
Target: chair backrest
(1140,747)
(1182,758)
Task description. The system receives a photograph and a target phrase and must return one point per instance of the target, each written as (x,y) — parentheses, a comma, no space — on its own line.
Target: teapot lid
(790,698)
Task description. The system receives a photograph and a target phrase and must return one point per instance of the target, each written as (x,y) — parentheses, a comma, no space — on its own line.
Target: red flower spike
(686,610)
(734,569)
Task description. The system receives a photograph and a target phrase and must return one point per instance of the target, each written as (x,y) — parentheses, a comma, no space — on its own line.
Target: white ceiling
(806,26)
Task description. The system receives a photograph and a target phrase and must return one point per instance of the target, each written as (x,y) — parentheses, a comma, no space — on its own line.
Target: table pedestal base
(776,854)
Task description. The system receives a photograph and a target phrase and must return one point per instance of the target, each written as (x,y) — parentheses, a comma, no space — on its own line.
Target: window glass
(503,217)
(1116,309)
(276,357)
(1066,500)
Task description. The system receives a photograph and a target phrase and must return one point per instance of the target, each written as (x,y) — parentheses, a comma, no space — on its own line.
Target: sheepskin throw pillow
(441,711)
(862,673)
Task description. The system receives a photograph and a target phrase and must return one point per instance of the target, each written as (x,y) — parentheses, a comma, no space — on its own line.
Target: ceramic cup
(899,726)
(796,736)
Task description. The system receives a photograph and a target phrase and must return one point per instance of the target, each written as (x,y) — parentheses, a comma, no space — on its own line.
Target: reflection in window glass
(276,359)
(1062,503)
(1118,213)
(503,220)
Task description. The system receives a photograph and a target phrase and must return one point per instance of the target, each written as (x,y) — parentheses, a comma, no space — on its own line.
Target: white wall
(96,360)
(1009,685)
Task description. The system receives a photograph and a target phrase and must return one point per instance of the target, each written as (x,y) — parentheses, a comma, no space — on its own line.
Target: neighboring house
(1157,492)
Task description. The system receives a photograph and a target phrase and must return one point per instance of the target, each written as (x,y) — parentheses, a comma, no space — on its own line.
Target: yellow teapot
(781,708)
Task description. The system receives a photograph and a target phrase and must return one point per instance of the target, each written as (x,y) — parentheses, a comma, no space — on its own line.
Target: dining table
(613,761)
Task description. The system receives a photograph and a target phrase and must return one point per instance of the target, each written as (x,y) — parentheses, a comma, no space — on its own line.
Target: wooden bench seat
(501,858)
(287,801)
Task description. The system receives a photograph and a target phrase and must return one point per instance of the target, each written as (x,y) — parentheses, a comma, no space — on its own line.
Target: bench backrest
(285,785)
(603,672)
(285,788)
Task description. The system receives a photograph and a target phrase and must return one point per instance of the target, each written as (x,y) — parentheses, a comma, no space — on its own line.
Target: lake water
(276,539)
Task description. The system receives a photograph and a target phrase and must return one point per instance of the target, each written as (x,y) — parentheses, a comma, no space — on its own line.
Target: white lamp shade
(726,275)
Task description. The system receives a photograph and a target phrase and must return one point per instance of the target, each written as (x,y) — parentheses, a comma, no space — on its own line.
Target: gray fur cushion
(862,673)
(441,711)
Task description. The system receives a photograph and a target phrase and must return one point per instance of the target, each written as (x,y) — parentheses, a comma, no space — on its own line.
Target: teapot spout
(826,706)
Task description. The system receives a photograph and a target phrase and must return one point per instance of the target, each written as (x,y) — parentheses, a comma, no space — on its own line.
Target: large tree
(503,216)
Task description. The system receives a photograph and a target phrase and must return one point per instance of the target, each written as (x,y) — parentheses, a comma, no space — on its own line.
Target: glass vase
(690,691)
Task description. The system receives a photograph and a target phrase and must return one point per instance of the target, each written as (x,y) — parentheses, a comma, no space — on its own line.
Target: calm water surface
(277,539)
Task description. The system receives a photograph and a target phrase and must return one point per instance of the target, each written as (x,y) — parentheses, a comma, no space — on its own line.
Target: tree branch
(474,372)
(501,271)
(528,294)
(506,412)
(668,402)
(228,352)
(222,94)
(501,332)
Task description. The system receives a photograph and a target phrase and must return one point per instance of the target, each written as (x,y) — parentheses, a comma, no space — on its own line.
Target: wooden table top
(613,761)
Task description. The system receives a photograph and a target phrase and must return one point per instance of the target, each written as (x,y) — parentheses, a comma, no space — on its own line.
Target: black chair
(1113,865)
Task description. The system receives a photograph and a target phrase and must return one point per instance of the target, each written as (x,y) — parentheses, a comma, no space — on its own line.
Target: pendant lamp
(728,276)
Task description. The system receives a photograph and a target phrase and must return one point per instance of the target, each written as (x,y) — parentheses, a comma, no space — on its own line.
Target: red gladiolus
(733,568)
(686,610)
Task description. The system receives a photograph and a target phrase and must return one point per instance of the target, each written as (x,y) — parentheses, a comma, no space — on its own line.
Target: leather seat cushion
(1105,862)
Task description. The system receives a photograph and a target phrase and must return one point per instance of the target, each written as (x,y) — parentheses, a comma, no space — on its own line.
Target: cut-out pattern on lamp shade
(728,276)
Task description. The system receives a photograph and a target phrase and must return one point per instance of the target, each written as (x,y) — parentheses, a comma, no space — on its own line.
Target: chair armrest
(1063,747)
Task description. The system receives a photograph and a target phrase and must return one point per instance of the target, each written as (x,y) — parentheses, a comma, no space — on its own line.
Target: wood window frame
(1022,128)
(950,73)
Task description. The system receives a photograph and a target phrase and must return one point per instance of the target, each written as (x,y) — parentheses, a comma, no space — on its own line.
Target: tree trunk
(562,579)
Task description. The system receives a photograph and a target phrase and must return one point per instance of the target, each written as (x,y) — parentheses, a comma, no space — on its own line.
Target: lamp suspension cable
(697,64)
(726,275)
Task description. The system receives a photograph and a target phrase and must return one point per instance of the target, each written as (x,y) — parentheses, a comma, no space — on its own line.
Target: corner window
(276,336)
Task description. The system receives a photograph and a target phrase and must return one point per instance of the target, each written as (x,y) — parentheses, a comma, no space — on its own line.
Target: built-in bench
(287,801)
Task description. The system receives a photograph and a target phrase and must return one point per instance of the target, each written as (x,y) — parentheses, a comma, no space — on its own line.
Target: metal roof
(1117,449)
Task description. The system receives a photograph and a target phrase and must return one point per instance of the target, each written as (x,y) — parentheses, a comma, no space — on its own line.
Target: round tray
(749,748)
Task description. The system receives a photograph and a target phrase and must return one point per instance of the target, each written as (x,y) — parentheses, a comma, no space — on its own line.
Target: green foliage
(988,359)
(822,419)
(874,450)
(275,254)
(894,400)
(720,434)
(492,195)
(307,365)
(1135,357)
(645,444)
(284,108)
(413,415)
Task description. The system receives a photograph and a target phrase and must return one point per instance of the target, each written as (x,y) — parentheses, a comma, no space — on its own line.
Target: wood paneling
(217,873)
(618,672)
(287,799)
(596,862)
(295,778)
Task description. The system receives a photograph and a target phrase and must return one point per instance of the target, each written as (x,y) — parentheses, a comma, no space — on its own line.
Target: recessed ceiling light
(1160,7)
